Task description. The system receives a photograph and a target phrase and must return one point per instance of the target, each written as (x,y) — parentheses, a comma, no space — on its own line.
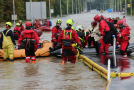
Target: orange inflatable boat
(43,51)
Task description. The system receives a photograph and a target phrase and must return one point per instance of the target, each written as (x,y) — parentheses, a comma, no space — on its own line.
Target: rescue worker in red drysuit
(31,41)
(105,35)
(21,26)
(110,20)
(17,31)
(56,32)
(66,39)
(37,24)
(46,23)
(124,36)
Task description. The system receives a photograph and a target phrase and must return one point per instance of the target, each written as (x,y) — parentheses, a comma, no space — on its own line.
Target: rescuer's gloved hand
(113,35)
(19,47)
(73,45)
(15,46)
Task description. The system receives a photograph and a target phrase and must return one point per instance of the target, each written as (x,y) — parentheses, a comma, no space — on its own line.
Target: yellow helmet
(20,20)
(9,23)
(79,28)
(72,28)
(70,21)
(17,24)
(58,21)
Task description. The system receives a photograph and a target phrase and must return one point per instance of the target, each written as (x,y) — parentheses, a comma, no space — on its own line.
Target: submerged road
(48,74)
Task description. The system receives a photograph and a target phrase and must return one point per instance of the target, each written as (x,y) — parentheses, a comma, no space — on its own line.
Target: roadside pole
(76,6)
(60,9)
(67,7)
(125,7)
(14,12)
(115,5)
(131,8)
(72,7)
(31,11)
(49,9)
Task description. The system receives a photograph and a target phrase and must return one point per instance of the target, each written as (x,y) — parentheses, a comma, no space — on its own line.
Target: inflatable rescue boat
(130,50)
(38,31)
(42,51)
(44,28)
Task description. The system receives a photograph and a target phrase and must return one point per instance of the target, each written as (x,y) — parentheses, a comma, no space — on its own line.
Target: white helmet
(79,28)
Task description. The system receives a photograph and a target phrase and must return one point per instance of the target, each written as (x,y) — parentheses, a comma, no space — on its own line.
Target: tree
(1,10)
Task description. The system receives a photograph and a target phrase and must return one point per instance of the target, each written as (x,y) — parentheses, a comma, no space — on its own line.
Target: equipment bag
(50,23)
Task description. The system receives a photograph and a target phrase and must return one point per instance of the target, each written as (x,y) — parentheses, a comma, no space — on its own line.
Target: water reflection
(7,75)
(123,64)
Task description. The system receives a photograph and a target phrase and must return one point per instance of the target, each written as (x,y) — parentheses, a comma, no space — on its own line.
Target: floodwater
(47,73)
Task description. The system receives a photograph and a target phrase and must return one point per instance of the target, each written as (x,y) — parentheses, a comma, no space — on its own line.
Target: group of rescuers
(101,33)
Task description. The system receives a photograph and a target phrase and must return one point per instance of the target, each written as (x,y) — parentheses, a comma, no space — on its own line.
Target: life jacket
(7,40)
(37,25)
(67,39)
(28,37)
(127,36)
(16,31)
(58,33)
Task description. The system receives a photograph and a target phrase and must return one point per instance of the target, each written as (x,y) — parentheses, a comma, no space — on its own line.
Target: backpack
(50,23)
(112,28)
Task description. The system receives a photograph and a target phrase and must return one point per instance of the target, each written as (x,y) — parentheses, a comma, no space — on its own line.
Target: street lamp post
(60,9)
(76,6)
(115,5)
(125,7)
(131,7)
(118,5)
(67,7)
(14,12)
(49,9)
(72,7)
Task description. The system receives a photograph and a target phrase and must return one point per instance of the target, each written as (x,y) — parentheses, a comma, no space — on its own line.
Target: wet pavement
(48,74)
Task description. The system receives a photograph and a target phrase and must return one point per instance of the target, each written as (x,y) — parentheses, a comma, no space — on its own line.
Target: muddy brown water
(47,73)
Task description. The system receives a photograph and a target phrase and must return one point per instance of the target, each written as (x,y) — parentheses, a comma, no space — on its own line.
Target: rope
(28,43)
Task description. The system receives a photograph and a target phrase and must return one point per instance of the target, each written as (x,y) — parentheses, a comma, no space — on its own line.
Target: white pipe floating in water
(108,76)
(114,56)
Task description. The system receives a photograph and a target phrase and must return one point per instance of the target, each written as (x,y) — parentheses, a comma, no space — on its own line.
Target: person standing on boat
(105,35)
(110,19)
(94,36)
(66,39)
(21,26)
(124,36)
(17,31)
(31,41)
(7,39)
(37,23)
(56,32)
(46,23)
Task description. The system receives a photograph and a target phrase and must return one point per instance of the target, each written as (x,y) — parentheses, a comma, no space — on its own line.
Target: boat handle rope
(28,43)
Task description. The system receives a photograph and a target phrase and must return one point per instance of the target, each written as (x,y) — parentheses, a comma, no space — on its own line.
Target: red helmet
(28,24)
(37,20)
(94,23)
(119,22)
(102,17)
(97,18)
